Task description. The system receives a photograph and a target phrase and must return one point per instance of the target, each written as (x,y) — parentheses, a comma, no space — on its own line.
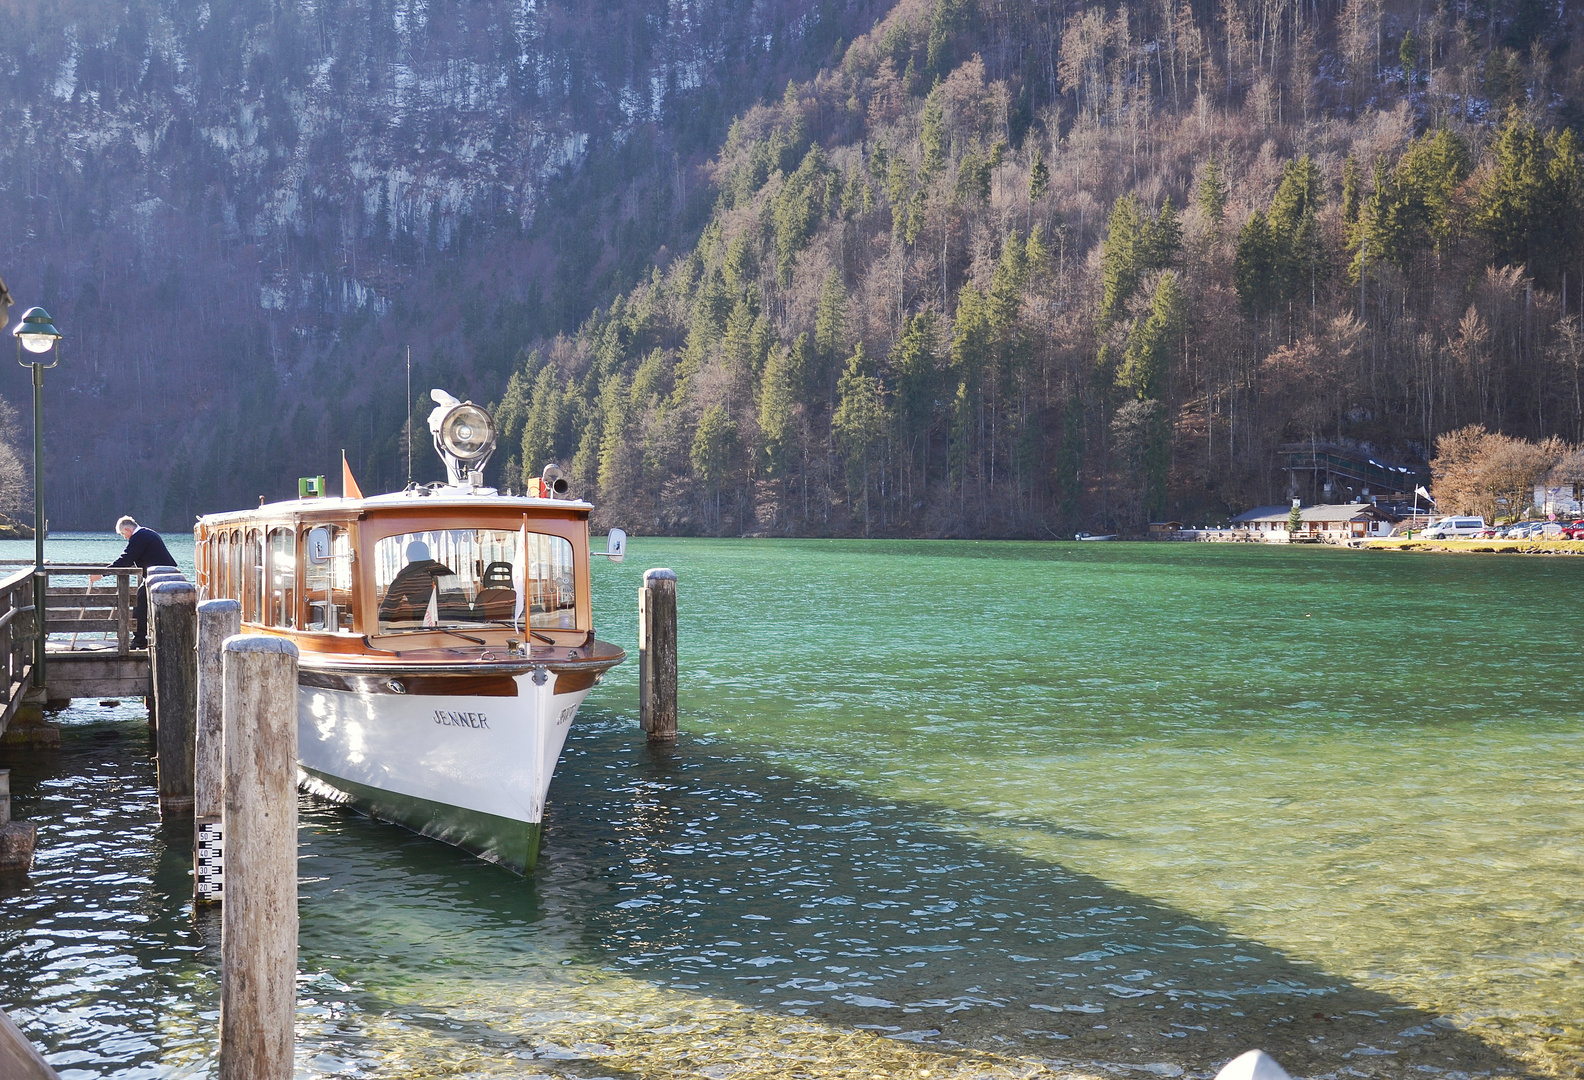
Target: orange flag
(349,486)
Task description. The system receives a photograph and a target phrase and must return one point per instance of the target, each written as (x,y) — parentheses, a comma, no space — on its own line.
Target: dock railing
(78,617)
(16,638)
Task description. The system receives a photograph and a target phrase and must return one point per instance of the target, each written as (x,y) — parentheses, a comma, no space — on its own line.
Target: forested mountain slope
(1016,268)
(241,212)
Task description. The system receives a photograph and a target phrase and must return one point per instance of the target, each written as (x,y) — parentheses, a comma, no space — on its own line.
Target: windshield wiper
(531,633)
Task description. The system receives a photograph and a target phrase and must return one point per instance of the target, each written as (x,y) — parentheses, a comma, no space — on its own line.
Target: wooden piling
(173,613)
(657,655)
(152,577)
(20,1059)
(217,620)
(259,916)
(17,838)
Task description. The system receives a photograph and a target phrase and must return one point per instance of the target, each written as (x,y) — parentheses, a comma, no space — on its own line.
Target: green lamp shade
(37,332)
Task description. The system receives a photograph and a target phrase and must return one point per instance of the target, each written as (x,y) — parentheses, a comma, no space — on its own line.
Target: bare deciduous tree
(1491,474)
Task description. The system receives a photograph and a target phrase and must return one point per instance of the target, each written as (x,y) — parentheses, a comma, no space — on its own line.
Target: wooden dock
(87,638)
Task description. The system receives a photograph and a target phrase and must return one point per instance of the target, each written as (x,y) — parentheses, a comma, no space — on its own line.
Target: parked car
(1454,527)
(1573,530)
(1535,530)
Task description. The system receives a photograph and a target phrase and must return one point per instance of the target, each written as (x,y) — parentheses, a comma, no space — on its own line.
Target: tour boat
(445,637)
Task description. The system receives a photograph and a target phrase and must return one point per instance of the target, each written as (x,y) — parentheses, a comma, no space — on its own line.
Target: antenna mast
(409,414)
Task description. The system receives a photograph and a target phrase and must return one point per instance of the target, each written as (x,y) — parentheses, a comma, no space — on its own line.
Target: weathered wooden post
(151,577)
(17,838)
(20,1059)
(174,615)
(258,940)
(657,655)
(217,620)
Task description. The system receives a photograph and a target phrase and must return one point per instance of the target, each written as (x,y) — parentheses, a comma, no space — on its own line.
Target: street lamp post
(37,334)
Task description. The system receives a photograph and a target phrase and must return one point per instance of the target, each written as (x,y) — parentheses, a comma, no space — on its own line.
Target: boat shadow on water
(709,890)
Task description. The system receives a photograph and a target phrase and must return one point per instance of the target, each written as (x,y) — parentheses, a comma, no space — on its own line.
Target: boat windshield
(470,578)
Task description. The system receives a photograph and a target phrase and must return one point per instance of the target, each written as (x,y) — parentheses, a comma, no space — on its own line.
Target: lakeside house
(1559,493)
(1335,523)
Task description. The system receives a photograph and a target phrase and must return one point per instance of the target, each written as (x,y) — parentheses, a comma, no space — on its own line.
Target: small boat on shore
(1092,536)
(445,636)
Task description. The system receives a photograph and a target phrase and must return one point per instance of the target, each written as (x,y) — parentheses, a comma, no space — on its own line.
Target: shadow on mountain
(708,871)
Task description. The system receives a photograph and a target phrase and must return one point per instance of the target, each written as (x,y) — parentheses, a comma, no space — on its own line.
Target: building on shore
(1334,523)
(1559,492)
(1329,470)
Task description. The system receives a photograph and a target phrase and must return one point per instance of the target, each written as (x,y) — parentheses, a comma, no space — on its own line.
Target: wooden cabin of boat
(426,573)
(329,572)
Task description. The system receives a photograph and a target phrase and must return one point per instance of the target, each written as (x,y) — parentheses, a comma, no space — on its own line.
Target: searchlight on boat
(464,437)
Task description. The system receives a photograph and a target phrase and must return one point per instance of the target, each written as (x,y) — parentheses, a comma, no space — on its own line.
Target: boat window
(234,572)
(219,562)
(282,578)
(327,586)
(470,577)
(252,575)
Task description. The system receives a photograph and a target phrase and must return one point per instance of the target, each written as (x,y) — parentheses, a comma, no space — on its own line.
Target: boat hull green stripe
(500,840)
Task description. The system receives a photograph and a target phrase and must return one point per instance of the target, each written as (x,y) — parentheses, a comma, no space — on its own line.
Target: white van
(1448,528)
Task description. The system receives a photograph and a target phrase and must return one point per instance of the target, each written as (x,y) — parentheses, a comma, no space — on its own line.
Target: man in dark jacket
(145,548)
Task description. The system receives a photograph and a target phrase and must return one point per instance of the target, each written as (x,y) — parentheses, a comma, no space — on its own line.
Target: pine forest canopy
(1018,269)
(989,269)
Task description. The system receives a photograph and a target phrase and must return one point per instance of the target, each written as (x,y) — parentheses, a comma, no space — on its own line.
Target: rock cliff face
(241,212)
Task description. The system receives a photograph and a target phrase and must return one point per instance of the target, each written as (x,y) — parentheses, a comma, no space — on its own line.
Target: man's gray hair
(126,523)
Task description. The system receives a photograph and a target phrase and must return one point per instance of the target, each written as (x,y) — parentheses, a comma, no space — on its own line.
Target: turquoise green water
(963,809)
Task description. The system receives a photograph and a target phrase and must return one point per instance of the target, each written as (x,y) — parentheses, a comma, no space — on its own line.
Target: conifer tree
(1134,243)
(932,136)
(542,429)
(914,364)
(1254,266)
(778,403)
(896,183)
(1531,203)
(1039,177)
(617,460)
(1120,257)
(1163,237)
(1036,255)
(1412,208)
(739,344)
(714,444)
(1148,356)
(1213,191)
(830,320)
(585,462)
(859,422)
(797,208)
(1352,178)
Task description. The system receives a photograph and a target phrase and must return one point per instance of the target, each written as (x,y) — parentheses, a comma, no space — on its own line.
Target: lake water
(938,809)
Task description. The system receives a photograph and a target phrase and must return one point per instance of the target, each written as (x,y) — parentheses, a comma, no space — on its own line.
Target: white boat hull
(473,771)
